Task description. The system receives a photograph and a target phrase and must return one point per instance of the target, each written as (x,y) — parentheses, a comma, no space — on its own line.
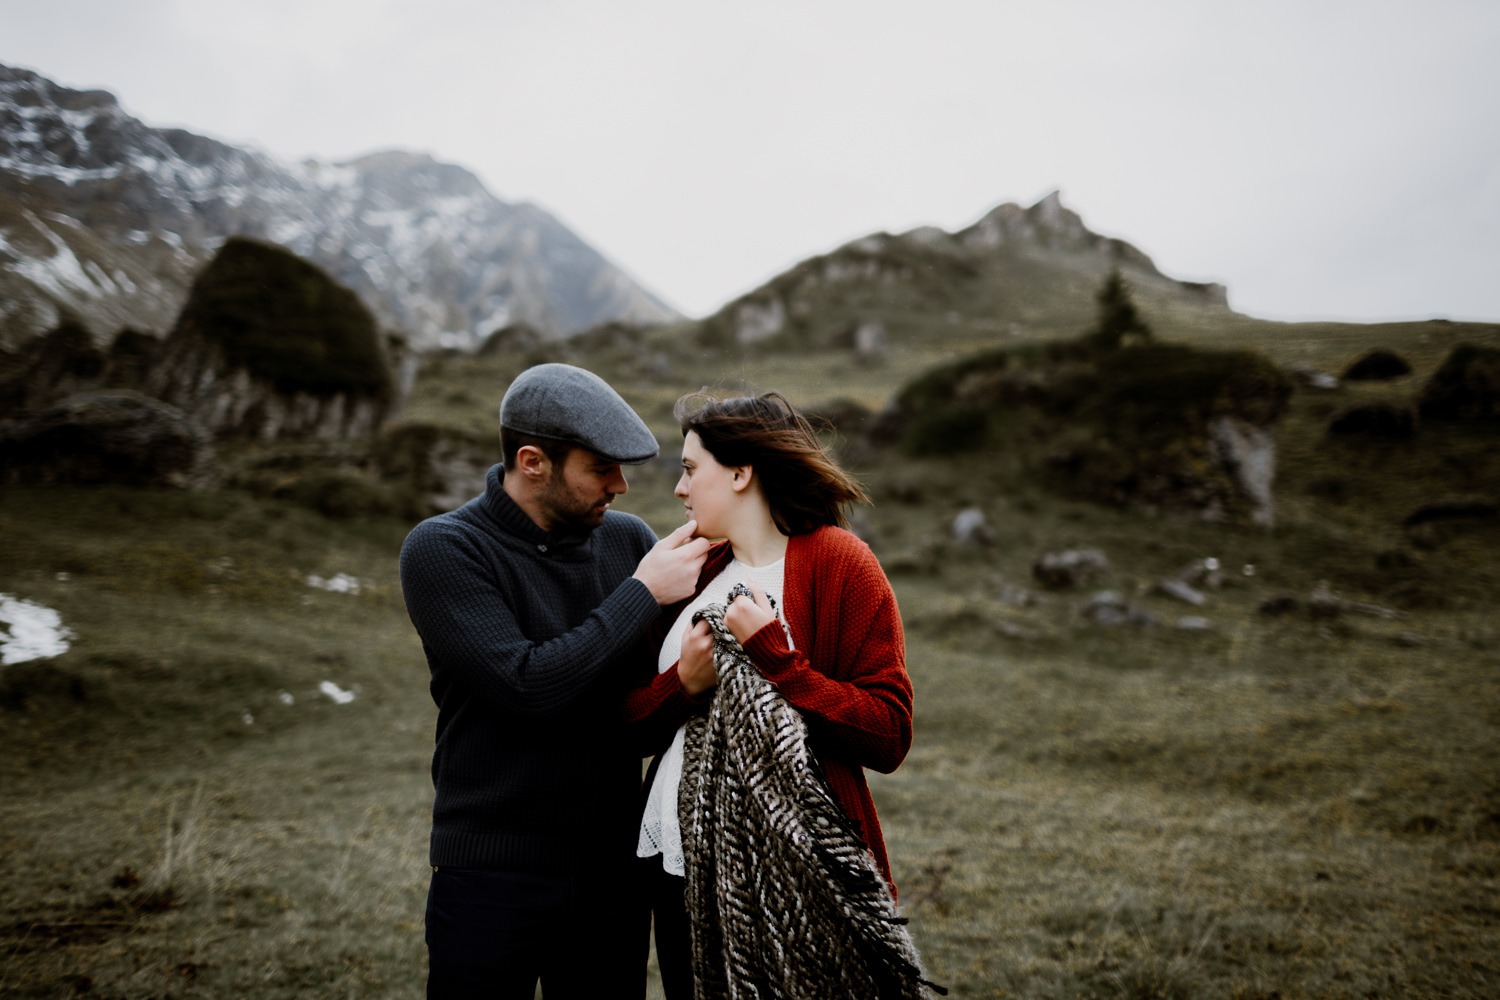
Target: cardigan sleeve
(851,684)
(654,710)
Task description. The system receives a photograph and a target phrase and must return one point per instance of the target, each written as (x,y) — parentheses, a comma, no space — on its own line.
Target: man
(531,601)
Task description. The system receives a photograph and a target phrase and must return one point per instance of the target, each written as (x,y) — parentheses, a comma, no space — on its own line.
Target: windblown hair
(803,484)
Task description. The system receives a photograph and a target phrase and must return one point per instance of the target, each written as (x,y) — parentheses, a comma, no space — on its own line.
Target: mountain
(106,220)
(1019,270)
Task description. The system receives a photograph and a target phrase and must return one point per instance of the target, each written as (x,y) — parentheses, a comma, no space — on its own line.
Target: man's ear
(532,463)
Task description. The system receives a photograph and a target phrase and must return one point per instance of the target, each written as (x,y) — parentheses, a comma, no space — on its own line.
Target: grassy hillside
(1292,805)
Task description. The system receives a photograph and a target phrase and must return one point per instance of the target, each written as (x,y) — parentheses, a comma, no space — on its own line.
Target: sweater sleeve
(468,624)
(657,704)
(852,686)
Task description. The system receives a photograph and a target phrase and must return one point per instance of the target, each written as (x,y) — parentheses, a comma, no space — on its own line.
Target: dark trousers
(671,929)
(495,934)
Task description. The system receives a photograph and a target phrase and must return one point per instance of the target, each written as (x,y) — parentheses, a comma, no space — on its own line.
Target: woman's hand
(745,617)
(695,665)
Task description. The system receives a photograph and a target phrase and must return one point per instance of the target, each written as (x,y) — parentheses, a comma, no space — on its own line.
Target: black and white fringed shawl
(784,899)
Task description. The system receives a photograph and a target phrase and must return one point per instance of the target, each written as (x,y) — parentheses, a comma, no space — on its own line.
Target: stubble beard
(564,509)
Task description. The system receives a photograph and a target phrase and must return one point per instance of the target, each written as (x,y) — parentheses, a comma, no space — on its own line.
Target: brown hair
(801,481)
(512,441)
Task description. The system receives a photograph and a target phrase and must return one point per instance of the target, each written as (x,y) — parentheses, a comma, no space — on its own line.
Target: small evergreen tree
(1118,317)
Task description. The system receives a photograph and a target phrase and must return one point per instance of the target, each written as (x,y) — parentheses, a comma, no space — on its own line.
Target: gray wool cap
(565,403)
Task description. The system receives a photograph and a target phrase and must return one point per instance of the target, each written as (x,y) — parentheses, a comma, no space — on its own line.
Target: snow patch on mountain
(429,249)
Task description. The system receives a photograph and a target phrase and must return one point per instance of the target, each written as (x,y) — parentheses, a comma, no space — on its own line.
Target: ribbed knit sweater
(846,674)
(531,640)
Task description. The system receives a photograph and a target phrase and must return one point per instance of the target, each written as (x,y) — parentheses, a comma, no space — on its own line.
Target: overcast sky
(1322,158)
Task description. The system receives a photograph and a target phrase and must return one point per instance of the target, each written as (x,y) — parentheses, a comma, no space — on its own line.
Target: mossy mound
(1376,365)
(1465,387)
(1132,426)
(287,323)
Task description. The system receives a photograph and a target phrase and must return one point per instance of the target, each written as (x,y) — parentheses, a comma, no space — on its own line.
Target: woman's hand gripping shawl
(783,897)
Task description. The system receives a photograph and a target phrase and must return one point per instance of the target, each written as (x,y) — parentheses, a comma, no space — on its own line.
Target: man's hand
(670,569)
(695,667)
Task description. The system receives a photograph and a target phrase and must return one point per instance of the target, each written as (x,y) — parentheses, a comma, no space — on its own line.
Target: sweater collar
(509,515)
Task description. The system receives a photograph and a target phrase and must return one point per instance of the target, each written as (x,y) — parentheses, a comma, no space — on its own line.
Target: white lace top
(660,832)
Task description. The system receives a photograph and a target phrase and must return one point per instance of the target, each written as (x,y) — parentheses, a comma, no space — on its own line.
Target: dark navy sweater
(531,639)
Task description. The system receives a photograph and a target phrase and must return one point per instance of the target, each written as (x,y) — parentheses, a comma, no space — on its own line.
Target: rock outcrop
(269,346)
(97,437)
(68,360)
(1247,453)
(442,466)
(1070,568)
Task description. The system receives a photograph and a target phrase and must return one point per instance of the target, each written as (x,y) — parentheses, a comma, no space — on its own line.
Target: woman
(756,477)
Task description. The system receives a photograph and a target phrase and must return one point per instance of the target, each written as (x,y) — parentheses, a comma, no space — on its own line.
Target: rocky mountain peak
(105,220)
(1046,221)
(403,174)
(25,88)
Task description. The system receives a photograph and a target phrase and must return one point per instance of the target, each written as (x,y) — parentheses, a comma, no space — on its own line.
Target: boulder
(1109,610)
(1016,597)
(1247,454)
(1204,574)
(1070,568)
(443,466)
(108,436)
(971,528)
(1180,591)
(869,341)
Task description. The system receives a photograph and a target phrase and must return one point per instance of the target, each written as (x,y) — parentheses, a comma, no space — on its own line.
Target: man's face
(580,490)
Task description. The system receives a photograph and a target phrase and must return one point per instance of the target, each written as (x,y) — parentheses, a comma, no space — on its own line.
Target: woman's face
(706,489)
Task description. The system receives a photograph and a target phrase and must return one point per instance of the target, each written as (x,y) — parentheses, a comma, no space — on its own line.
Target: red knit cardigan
(847,674)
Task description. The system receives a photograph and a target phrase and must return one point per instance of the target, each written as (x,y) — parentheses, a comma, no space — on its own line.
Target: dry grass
(1276,807)
(1066,827)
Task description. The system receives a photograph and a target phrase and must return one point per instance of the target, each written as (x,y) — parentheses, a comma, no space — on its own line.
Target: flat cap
(565,403)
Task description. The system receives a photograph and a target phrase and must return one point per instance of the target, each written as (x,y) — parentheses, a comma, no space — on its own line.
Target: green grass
(1281,806)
